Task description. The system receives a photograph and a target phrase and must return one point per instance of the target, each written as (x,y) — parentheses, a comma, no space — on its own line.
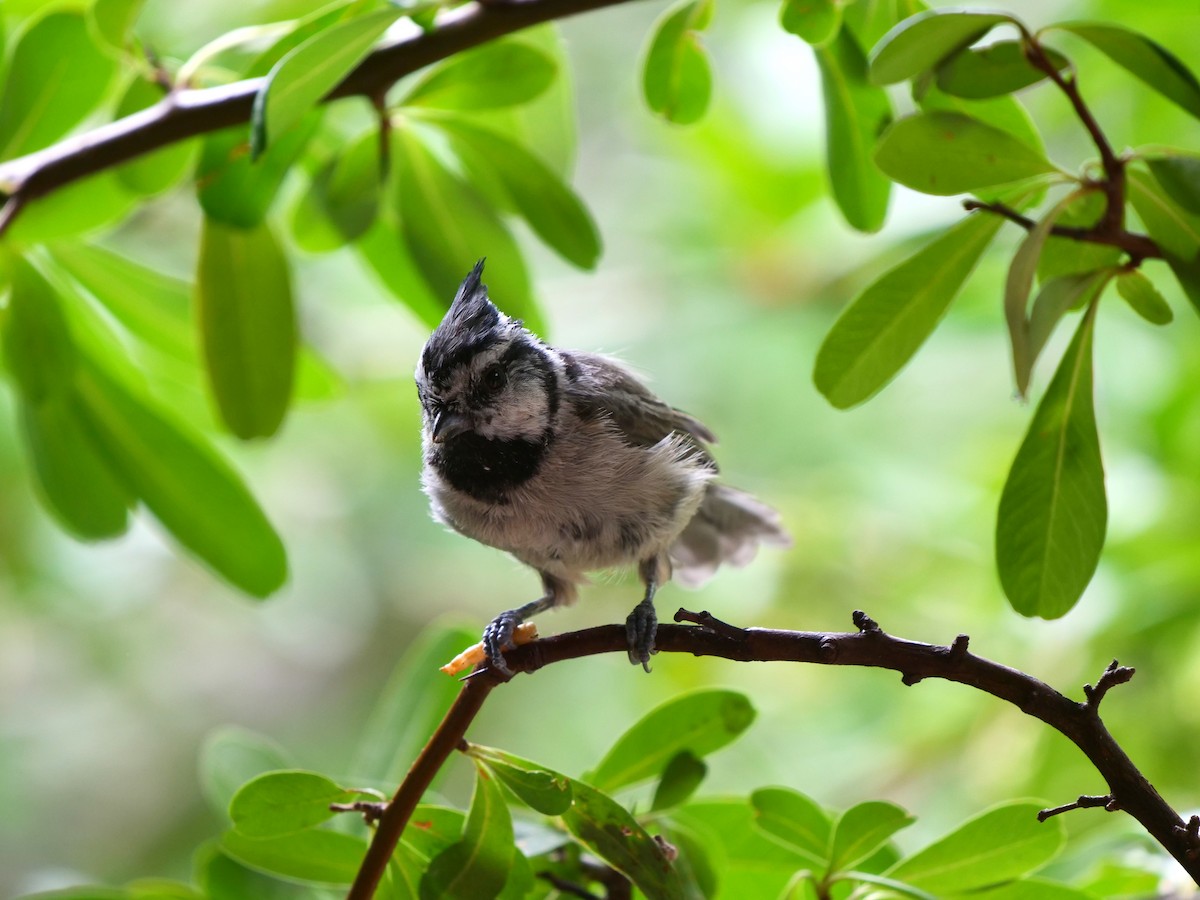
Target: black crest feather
(470,325)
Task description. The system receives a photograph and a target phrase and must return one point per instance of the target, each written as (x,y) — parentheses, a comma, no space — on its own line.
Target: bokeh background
(725,263)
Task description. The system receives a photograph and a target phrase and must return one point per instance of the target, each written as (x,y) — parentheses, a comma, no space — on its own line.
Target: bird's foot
(640,628)
(498,637)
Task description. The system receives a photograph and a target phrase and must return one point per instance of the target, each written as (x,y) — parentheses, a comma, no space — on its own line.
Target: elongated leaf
(476,867)
(676,74)
(38,346)
(919,43)
(316,855)
(949,153)
(83,207)
(1143,297)
(1039,889)
(411,704)
(385,253)
(188,487)
(1179,176)
(1055,297)
(552,209)
(247,326)
(221,877)
(446,224)
(794,820)
(856,113)
(230,757)
(680,778)
(1187,273)
(236,190)
(306,74)
(1176,230)
(343,201)
(608,830)
(432,829)
(278,803)
(155,172)
(1053,511)
(815,21)
(885,325)
(113,20)
(1003,843)
(1151,62)
(1016,292)
(700,723)
(323,17)
(1005,113)
(55,77)
(999,68)
(498,74)
(862,830)
(540,788)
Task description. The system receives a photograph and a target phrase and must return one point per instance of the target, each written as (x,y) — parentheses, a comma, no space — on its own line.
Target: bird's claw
(640,629)
(498,637)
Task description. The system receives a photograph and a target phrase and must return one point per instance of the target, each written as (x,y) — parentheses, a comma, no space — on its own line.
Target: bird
(568,462)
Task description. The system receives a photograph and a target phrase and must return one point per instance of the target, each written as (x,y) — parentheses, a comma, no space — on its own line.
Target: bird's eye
(494,377)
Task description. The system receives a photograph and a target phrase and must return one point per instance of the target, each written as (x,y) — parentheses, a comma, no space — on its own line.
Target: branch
(869,646)
(187,113)
(1138,246)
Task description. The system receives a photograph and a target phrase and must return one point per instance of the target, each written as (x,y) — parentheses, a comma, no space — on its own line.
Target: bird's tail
(728,528)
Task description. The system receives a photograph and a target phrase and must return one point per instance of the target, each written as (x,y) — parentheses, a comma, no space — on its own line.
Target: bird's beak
(447,424)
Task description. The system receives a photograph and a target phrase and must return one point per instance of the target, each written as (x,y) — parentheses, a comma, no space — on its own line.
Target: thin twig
(870,646)
(1115,674)
(1085,801)
(1138,246)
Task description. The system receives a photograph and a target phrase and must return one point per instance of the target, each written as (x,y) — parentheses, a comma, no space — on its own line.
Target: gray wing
(597,385)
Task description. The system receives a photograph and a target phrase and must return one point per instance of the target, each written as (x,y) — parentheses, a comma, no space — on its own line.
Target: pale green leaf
(886,324)
(113,20)
(278,803)
(1143,297)
(919,43)
(676,73)
(814,21)
(501,73)
(862,830)
(794,820)
(231,756)
(1055,297)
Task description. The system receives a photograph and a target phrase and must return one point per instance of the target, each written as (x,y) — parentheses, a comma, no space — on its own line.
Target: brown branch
(1085,801)
(187,113)
(1138,246)
(870,646)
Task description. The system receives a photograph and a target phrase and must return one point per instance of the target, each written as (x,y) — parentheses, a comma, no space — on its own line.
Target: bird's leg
(642,623)
(497,637)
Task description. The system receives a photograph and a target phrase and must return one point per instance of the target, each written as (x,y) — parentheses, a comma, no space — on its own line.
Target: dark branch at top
(187,113)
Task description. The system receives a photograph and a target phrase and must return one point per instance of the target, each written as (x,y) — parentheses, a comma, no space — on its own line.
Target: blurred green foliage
(725,263)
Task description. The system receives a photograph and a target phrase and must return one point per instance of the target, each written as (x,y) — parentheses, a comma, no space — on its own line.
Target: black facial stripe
(488,470)
(443,356)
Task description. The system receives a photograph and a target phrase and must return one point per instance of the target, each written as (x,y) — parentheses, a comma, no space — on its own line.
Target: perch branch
(186,113)
(870,646)
(1138,246)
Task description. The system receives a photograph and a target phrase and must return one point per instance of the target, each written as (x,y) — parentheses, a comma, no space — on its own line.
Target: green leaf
(552,209)
(608,830)
(680,778)
(699,722)
(279,803)
(155,172)
(856,113)
(863,829)
(247,326)
(315,855)
(1003,843)
(1053,512)
(239,191)
(189,488)
(676,74)
(1143,297)
(432,829)
(113,20)
(220,877)
(540,788)
(947,153)
(446,225)
(1017,286)
(1147,60)
(1187,273)
(384,251)
(1176,230)
(794,820)
(1179,175)
(477,866)
(1055,297)
(230,757)
(1005,113)
(1038,889)
(919,43)
(56,76)
(82,207)
(411,704)
(814,21)
(299,81)
(37,342)
(302,29)
(1063,256)
(342,203)
(885,325)
(500,73)
(994,70)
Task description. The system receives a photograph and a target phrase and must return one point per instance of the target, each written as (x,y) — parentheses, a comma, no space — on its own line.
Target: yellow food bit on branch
(474,655)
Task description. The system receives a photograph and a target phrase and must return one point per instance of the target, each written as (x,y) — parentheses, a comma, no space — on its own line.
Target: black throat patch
(488,470)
